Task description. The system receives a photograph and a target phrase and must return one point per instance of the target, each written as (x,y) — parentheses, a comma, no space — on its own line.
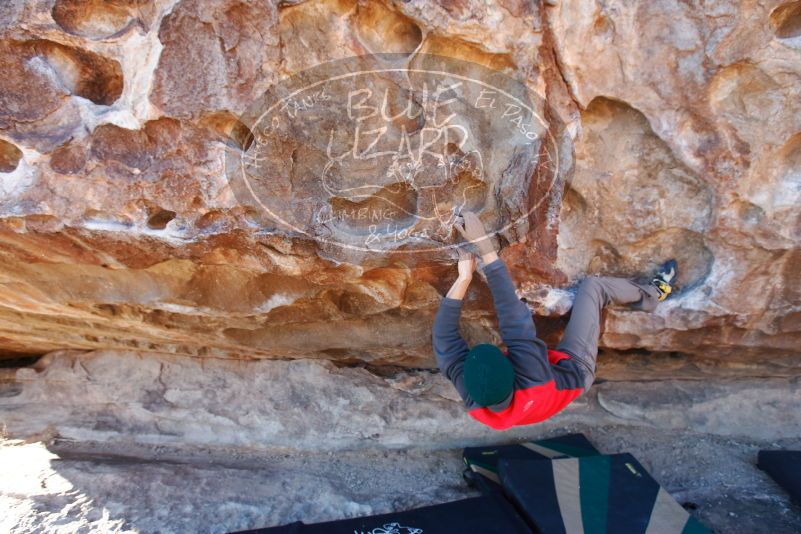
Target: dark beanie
(488,375)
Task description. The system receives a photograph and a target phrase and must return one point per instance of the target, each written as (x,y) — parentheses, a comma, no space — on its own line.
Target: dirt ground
(87,488)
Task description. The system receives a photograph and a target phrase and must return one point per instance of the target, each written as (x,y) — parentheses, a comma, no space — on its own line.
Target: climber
(529,383)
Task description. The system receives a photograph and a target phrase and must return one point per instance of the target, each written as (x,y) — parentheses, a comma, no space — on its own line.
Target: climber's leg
(580,339)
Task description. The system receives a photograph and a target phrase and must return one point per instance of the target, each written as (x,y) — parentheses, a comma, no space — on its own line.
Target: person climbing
(529,383)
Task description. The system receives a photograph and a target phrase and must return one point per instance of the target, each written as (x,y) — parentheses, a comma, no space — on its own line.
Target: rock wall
(677,126)
(119,398)
(226,226)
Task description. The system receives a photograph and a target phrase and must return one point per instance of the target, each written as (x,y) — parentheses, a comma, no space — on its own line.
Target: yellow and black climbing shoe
(665,278)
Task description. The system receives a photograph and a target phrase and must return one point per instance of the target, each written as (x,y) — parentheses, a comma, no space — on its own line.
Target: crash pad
(593,494)
(479,515)
(785,468)
(482,462)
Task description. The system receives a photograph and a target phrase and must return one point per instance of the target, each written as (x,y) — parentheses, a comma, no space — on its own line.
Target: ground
(83,488)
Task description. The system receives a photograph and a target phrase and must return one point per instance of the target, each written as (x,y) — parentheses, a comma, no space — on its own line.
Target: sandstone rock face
(118,398)
(227,226)
(664,130)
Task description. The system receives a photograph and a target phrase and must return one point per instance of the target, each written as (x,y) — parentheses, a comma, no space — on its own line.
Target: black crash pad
(488,514)
(785,468)
(482,462)
(598,494)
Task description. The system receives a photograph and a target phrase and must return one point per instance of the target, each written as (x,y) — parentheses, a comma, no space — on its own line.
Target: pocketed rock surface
(171,310)
(677,128)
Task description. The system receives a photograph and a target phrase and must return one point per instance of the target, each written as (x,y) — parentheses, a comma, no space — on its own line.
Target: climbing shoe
(665,278)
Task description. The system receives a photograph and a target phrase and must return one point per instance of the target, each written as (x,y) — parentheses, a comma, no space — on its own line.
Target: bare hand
(467,264)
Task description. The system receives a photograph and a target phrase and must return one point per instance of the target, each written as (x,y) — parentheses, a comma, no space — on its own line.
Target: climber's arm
(514,317)
(450,348)
(459,288)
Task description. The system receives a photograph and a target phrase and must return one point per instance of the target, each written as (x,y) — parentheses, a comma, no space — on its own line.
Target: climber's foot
(665,279)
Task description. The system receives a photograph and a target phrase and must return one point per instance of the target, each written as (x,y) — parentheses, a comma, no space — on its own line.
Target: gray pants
(580,339)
